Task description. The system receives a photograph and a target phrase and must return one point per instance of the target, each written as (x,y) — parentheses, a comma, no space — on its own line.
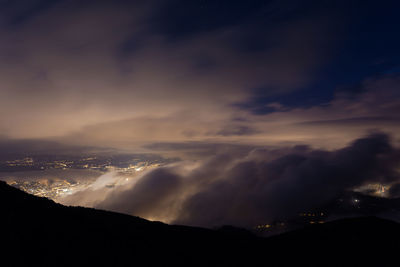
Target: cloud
(111,75)
(67,66)
(257,186)
(346,117)
(236,130)
(198,150)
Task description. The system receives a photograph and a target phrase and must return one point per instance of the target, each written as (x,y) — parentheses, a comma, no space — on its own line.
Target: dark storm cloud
(257,186)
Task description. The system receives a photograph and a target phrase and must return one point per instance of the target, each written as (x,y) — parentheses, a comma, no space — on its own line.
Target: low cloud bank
(248,188)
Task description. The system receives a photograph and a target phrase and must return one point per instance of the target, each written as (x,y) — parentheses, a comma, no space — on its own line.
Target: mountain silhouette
(39,232)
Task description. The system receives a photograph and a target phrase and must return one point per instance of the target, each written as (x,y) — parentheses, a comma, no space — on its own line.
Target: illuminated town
(56,187)
(122,162)
(365,200)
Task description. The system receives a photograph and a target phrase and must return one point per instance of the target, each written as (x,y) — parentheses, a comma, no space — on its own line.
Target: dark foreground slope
(37,231)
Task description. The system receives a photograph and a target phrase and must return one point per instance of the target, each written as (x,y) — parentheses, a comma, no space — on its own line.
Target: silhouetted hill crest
(40,231)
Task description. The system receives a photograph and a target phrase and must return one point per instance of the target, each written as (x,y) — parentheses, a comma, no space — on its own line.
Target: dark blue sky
(365,44)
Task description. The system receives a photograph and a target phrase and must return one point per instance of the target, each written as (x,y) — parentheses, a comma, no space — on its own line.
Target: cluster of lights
(269,226)
(314,222)
(311,214)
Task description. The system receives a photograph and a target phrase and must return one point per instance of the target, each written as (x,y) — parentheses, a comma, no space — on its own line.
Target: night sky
(262,100)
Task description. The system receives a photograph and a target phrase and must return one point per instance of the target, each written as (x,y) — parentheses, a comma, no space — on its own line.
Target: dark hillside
(37,231)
